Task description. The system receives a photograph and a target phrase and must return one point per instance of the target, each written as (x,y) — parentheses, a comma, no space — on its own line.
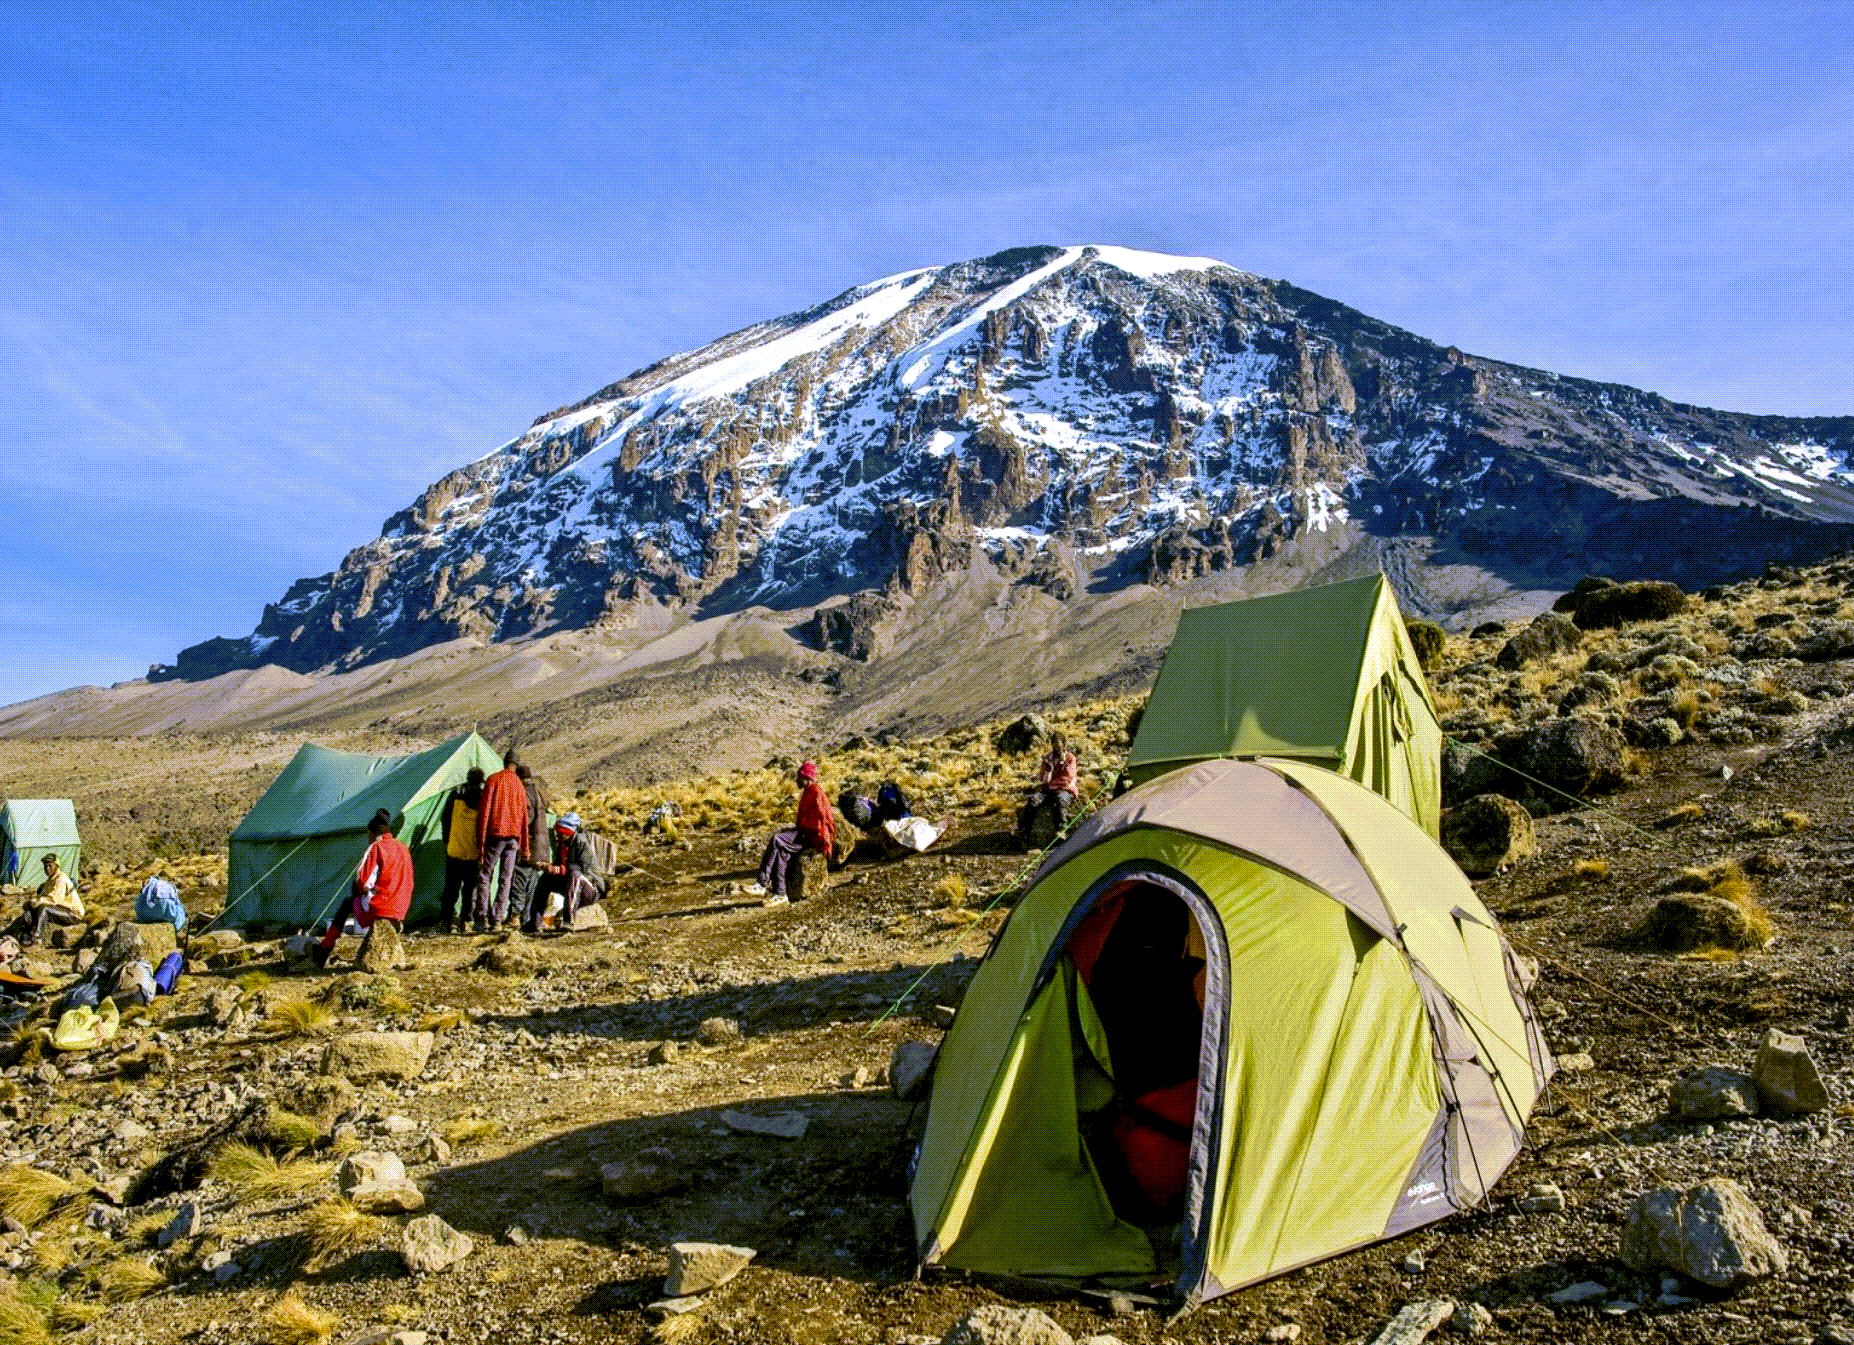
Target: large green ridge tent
(1352,1042)
(31,829)
(296,850)
(1324,674)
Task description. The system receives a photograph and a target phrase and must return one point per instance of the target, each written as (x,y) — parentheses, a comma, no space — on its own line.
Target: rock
(430,1245)
(590,917)
(1414,1321)
(1584,1291)
(394,1196)
(718,1032)
(1021,735)
(1472,1319)
(368,1166)
(433,1149)
(1542,1198)
(1577,1062)
(1413,1263)
(665,1052)
(942,1015)
(511,955)
(1575,756)
(785,1126)
(129,941)
(1710,1232)
(1711,1093)
(856,1078)
(995,1324)
(515,1235)
(1609,605)
(1283,1333)
(808,876)
(1786,1077)
(1468,771)
(222,1005)
(910,1069)
(642,1176)
(696,1267)
(399,1125)
(1687,920)
(1546,635)
(186,1223)
(383,949)
(361,1057)
(673,1307)
(217,940)
(1488,833)
(324,1100)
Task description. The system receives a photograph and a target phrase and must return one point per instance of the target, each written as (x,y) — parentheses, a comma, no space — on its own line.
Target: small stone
(1542,1198)
(1472,1319)
(434,1149)
(397,1196)
(429,1245)
(1413,1264)
(515,1235)
(407,1338)
(642,1176)
(718,1032)
(590,917)
(910,1069)
(186,1223)
(942,1015)
(399,1125)
(1578,1062)
(697,1267)
(369,1165)
(1282,1331)
(1414,1321)
(1786,1077)
(665,1052)
(1584,1291)
(995,1324)
(856,1078)
(1711,1093)
(674,1307)
(785,1126)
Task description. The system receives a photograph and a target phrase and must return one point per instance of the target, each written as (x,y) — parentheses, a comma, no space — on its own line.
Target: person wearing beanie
(382,888)
(816,830)
(573,872)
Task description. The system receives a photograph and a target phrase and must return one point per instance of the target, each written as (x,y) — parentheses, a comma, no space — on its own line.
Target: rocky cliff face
(1085,416)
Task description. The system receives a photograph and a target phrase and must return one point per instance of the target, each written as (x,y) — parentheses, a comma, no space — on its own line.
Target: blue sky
(267,270)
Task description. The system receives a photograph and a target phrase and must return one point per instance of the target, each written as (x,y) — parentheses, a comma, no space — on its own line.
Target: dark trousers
(782,851)
(460,876)
(575,887)
(48,915)
(495,875)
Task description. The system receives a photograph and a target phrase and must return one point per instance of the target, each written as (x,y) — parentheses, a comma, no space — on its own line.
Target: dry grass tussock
(336,1228)
(128,1278)
(468,1130)
(287,1130)
(1784,824)
(299,1018)
(1690,811)
(1730,881)
(673,1330)
(1594,869)
(290,1321)
(255,1175)
(949,891)
(30,1194)
(23,1321)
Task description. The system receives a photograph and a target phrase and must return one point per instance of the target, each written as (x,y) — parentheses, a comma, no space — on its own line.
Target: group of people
(504,865)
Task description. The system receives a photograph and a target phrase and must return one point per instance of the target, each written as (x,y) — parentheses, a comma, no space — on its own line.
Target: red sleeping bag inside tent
(1153,1133)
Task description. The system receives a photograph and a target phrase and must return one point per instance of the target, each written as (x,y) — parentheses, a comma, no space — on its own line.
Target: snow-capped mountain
(1081,416)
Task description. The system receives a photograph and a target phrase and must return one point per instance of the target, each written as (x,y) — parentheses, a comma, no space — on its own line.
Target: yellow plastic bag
(85,1029)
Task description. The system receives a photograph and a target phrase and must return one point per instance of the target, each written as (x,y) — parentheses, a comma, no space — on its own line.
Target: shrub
(1428,639)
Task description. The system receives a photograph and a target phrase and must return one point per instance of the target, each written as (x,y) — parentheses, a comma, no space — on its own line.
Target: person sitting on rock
(55,903)
(573,873)
(1055,790)
(382,889)
(816,830)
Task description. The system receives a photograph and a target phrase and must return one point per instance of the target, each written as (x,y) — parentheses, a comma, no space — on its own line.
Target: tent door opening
(1140,961)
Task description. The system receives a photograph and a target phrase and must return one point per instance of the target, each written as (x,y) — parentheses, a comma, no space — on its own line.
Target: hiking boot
(319,954)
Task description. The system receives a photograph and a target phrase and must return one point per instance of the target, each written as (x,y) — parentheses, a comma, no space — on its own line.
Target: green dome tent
(295,852)
(31,829)
(1279,966)
(1324,674)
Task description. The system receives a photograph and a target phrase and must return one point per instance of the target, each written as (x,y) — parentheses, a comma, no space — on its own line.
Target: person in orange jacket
(816,830)
(382,887)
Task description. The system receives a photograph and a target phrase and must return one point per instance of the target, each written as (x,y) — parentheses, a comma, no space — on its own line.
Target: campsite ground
(594,1053)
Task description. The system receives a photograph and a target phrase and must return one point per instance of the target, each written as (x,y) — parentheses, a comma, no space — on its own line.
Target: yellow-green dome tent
(1324,674)
(1356,1041)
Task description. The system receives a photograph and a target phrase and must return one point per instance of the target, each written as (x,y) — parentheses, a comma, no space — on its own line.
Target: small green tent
(1324,674)
(1257,981)
(31,829)
(295,852)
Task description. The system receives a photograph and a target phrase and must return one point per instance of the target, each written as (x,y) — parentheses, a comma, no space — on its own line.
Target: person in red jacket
(382,886)
(816,830)
(502,833)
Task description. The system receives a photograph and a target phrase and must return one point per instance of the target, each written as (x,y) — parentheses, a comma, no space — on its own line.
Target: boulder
(397,1196)
(594,916)
(1468,771)
(324,1100)
(1573,755)
(510,955)
(1684,921)
(129,942)
(1711,1233)
(361,1057)
(187,1222)
(808,875)
(1713,1093)
(1488,833)
(368,1167)
(1609,605)
(718,1032)
(995,1324)
(910,1069)
(383,950)
(696,1267)
(222,1005)
(1021,735)
(1786,1077)
(642,1176)
(1547,634)
(430,1245)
